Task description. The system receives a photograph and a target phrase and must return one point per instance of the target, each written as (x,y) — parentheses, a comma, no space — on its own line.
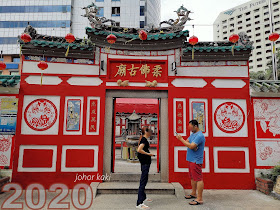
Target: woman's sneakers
(142,206)
(148,200)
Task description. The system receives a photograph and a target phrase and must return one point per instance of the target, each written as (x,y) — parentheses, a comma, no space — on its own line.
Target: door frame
(163,132)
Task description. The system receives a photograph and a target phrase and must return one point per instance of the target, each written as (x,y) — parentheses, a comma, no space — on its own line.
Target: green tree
(268,73)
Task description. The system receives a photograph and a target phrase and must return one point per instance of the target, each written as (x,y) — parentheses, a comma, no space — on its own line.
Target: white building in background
(252,18)
(59,17)
(127,13)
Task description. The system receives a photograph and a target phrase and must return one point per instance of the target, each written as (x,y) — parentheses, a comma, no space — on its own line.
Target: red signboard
(93,115)
(138,70)
(179,116)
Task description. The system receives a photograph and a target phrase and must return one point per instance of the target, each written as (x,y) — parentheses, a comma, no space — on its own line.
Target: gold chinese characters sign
(137,70)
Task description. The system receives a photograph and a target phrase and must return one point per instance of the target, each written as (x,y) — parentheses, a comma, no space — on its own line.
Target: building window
(239,28)
(142,10)
(248,19)
(250,61)
(14,72)
(268,57)
(258,28)
(142,24)
(256,10)
(232,30)
(239,22)
(257,16)
(225,38)
(16,60)
(268,51)
(258,47)
(267,32)
(232,25)
(224,21)
(249,31)
(259,59)
(268,44)
(265,7)
(35,9)
(117,23)
(259,53)
(239,16)
(100,12)
(259,66)
(8,40)
(35,24)
(224,27)
(277,29)
(267,25)
(248,25)
(266,19)
(276,10)
(224,32)
(258,34)
(258,40)
(258,22)
(231,19)
(248,13)
(277,22)
(116,11)
(266,13)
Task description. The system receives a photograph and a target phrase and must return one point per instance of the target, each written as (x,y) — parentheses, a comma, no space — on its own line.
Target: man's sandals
(190,196)
(194,202)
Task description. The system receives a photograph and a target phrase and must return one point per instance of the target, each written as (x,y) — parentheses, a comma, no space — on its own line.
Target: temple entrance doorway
(126,112)
(130,115)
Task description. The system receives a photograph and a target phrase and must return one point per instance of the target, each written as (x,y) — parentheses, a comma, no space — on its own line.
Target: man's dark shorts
(195,171)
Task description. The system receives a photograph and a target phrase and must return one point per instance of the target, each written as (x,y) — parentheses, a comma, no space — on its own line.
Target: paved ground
(214,199)
(123,166)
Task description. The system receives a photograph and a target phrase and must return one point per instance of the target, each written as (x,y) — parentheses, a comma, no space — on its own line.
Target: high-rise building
(59,17)
(253,18)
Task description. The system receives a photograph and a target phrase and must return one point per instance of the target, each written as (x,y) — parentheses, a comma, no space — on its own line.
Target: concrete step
(133,177)
(132,188)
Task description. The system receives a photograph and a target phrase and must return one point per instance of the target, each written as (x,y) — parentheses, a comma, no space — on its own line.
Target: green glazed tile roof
(136,36)
(52,44)
(217,48)
(9,80)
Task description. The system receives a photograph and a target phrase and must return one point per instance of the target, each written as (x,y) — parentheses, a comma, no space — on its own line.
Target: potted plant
(3,180)
(266,181)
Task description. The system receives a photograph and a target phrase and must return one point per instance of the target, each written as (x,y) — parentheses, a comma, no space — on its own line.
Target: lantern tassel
(232,50)
(67,52)
(20,48)
(193,53)
(41,79)
(274,48)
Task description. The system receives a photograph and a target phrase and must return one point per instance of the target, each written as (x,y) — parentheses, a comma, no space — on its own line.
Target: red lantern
(111,38)
(143,35)
(25,37)
(234,38)
(2,65)
(42,65)
(70,38)
(273,37)
(193,40)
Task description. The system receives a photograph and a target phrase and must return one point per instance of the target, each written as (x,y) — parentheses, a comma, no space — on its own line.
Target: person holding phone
(195,153)
(144,157)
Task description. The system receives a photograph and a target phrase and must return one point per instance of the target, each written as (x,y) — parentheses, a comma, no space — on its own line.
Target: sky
(204,14)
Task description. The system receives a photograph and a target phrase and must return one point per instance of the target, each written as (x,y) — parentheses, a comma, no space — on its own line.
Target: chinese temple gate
(65,122)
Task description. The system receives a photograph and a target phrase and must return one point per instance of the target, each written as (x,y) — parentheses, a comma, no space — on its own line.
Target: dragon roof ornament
(91,12)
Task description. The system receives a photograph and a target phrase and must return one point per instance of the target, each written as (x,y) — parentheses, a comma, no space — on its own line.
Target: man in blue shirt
(195,153)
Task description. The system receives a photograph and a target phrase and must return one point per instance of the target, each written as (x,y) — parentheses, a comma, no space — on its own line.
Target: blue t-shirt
(196,156)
